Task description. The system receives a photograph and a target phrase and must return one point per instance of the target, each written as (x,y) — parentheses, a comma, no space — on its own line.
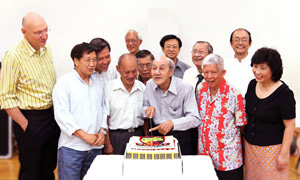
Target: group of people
(212,109)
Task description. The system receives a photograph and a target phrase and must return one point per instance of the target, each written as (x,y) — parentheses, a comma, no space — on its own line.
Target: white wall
(272,23)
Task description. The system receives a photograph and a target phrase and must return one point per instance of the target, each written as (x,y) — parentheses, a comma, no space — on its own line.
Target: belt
(130,130)
(37,112)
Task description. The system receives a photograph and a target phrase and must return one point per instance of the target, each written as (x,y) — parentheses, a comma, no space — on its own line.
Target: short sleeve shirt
(265,116)
(219,132)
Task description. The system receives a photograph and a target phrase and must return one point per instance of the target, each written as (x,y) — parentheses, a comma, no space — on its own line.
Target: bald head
(127,67)
(32,18)
(35,30)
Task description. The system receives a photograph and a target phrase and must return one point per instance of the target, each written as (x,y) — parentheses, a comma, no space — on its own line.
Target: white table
(111,166)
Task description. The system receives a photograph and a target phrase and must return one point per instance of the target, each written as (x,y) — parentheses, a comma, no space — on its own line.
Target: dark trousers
(187,140)
(119,138)
(37,145)
(235,174)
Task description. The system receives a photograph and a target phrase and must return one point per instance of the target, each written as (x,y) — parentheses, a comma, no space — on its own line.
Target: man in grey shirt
(171,103)
(171,45)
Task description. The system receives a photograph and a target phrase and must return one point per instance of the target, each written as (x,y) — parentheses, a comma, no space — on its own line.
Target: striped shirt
(27,78)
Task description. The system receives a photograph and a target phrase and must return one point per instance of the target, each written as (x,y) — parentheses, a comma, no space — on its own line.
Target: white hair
(214,59)
(132,30)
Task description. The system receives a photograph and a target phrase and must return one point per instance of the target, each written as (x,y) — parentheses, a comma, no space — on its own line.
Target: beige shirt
(123,108)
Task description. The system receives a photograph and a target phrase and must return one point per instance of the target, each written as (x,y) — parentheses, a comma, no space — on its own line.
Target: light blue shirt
(178,104)
(78,106)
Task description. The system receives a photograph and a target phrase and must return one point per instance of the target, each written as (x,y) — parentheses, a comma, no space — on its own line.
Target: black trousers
(235,174)
(187,140)
(119,139)
(37,145)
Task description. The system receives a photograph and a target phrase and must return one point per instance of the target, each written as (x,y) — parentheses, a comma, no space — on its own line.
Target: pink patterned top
(219,131)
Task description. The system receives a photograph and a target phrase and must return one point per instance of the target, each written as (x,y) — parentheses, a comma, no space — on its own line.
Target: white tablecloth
(111,166)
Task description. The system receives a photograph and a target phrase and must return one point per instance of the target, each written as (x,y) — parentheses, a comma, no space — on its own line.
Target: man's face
(200,51)
(132,42)
(161,72)
(87,64)
(36,33)
(144,67)
(240,42)
(171,48)
(213,76)
(103,60)
(128,71)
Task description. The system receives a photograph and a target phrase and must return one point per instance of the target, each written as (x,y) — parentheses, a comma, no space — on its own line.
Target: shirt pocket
(174,110)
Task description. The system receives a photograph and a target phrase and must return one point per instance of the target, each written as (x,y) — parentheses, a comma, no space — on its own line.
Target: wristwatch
(103,130)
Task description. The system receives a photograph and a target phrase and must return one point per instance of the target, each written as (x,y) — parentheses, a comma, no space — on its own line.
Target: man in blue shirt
(80,112)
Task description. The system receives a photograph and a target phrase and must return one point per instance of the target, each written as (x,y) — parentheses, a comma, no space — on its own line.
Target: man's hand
(100,140)
(24,125)
(163,128)
(89,138)
(150,112)
(108,149)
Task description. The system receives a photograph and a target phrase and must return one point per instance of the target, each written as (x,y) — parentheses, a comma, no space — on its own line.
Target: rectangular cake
(152,147)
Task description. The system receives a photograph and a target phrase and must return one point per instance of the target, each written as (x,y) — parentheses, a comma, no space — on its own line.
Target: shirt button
(253,134)
(252,125)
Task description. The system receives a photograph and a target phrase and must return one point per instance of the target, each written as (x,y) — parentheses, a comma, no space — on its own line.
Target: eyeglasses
(243,40)
(90,60)
(40,33)
(171,46)
(142,66)
(131,40)
(195,52)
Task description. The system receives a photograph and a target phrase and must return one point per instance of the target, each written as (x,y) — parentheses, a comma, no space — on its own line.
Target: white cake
(152,147)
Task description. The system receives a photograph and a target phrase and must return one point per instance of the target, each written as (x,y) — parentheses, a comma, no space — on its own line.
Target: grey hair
(171,62)
(213,59)
(209,46)
(132,30)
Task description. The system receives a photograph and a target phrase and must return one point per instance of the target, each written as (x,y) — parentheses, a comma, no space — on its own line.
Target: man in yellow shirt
(26,84)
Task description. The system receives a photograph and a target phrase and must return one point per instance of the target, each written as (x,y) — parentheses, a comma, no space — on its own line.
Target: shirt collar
(91,79)
(179,64)
(222,86)
(31,50)
(172,87)
(120,85)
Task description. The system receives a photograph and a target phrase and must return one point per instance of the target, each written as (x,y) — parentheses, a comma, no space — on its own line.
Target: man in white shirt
(239,72)
(133,41)
(194,75)
(80,112)
(124,102)
(104,72)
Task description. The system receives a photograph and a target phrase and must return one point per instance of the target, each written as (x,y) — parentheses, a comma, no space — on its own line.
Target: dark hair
(272,58)
(78,50)
(168,37)
(100,44)
(250,39)
(144,53)
(209,46)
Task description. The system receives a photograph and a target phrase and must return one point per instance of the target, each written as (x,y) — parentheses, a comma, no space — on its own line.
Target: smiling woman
(270,107)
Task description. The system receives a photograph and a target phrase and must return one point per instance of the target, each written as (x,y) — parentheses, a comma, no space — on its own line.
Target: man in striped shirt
(26,84)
